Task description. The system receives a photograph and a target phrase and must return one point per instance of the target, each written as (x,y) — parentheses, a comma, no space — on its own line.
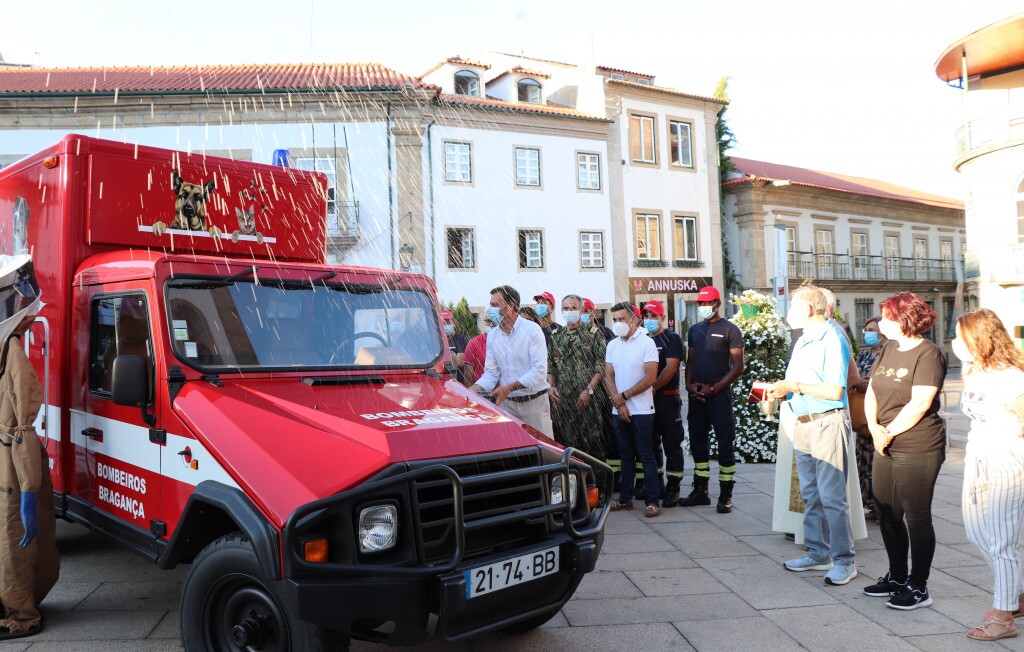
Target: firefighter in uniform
(611,442)
(29,562)
(668,407)
(714,359)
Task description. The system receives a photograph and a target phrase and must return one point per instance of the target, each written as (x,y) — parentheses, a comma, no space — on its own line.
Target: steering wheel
(355,337)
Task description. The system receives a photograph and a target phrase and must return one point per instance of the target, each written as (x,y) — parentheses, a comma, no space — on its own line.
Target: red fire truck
(215,394)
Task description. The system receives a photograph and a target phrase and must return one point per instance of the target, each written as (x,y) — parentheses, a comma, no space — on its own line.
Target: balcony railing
(990,131)
(343,218)
(846,267)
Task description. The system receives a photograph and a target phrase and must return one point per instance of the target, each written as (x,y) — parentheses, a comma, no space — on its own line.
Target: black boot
(725,499)
(639,492)
(699,495)
(670,496)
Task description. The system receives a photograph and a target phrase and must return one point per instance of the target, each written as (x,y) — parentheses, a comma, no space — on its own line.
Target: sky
(834,86)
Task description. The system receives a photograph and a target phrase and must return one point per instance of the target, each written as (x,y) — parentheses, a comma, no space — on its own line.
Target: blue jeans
(636,439)
(822,464)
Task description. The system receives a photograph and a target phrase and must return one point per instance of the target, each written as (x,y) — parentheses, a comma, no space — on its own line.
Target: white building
(864,239)
(988,67)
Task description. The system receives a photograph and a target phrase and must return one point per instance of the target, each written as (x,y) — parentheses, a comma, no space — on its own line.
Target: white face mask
(961,351)
(571,316)
(797,316)
(620,328)
(889,328)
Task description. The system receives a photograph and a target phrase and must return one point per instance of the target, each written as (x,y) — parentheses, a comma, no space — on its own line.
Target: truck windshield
(241,324)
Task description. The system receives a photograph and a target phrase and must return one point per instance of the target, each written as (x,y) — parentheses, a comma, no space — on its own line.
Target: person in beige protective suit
(29,562)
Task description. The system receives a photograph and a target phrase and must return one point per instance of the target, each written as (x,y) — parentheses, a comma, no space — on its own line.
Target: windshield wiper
(245,272)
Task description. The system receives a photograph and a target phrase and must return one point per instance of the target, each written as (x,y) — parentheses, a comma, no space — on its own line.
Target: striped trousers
(993,509)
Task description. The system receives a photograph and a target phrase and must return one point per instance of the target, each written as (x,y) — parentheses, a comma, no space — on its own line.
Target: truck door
(117,465)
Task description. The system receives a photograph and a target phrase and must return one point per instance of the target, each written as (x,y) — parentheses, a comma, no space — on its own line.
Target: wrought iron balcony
(847,267)
(342,218)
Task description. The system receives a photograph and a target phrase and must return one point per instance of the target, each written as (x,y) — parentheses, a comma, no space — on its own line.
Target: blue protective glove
(29,517)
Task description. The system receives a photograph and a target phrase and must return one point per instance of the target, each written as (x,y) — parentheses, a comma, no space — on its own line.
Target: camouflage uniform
(575,355)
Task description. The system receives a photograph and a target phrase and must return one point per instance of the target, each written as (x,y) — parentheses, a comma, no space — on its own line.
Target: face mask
(890,329)
(871,338)
(651,325)
(961,351)
(706,312)
(488,329)
(571,316)
(585,319)
(620,328)
(448,329)
(494,314)
(542,310)
(796,318)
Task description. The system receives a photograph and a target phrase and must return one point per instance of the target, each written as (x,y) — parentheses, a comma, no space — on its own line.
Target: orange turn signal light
(51,162)
(315,551)
(593,496)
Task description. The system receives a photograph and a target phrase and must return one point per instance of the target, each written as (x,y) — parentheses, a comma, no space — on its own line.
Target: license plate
(518,570)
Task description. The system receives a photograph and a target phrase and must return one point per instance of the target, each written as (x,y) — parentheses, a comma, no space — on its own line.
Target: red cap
(588,304)
(446,314)
(636,311)
(550,298)
(654,307)
(708,294)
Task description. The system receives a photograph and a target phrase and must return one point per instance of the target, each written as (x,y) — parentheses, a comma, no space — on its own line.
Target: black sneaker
(885,587)
(909,598)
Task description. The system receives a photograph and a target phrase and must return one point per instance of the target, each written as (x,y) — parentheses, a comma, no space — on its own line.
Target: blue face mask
(706,312)
(585,319)
(488,329)
(542,310)
(494,314)
(448,329)
(651,325)
(871,338)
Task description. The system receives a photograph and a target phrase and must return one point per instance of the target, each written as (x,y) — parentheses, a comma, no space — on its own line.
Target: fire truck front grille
(433,507)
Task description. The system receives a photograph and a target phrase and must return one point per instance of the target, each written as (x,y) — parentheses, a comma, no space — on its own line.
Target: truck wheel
(227,605)
(530,623)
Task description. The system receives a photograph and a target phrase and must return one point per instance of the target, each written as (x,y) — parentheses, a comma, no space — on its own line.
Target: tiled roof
(664,89)
(458,61)
(762,171)
(493,104)
(625,72)
(203,78)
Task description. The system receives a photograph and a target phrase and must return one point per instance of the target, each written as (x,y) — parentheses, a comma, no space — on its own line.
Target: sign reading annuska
(668,284)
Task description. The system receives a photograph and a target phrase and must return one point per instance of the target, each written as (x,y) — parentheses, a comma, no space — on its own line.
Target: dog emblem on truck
(189,206)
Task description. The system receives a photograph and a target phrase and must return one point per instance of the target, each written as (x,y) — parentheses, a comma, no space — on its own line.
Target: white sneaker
(807,563)
(841,574)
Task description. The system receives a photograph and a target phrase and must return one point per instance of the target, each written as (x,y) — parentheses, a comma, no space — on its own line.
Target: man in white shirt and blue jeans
(516,369)
(631,368)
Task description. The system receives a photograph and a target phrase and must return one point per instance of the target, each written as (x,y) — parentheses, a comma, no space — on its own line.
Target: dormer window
(529,90)
(467,83)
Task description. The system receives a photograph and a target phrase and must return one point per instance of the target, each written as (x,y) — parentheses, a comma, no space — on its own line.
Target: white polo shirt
(627,358)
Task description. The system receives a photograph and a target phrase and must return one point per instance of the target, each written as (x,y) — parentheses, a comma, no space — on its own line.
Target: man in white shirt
(516,369)
(631,369)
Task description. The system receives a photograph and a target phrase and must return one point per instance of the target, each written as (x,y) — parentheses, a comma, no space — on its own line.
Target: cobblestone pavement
(691,579)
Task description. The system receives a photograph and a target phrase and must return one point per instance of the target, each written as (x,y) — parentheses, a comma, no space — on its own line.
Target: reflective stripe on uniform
(702,470)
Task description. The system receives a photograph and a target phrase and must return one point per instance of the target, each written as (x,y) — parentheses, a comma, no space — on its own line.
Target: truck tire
(530,623)
(227,605)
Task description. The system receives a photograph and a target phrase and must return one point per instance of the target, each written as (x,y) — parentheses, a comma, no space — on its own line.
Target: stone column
(412,242)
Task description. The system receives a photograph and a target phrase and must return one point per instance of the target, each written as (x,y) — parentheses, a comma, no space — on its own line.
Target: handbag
(858,419)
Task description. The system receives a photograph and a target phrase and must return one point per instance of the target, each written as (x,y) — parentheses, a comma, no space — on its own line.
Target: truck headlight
(556,490)
(378,528)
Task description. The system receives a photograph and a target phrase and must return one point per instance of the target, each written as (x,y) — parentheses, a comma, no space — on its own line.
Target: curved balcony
(846,267)
(989,132)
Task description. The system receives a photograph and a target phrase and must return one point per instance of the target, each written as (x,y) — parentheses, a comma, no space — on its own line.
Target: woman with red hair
(902,410)
(993,497)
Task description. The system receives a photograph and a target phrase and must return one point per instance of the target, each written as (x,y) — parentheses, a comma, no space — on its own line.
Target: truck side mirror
(129,384)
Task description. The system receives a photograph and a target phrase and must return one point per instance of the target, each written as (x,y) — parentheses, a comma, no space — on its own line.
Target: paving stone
(99,625)
(765,584)
(739,523)
(968,611)
(647,637)
(978,575)
(606,584)
(104,645)
(834,628)
(684,581)
(558,621)
(619,523)
(945,643)
(626,562)
(133,596)
(918,622)
(65,596)
(634,543)
(169,626)
(742,635)
(710,606)
(950,557)
(698,540)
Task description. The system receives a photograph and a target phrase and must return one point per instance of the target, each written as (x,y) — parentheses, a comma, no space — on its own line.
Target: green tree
(465,320)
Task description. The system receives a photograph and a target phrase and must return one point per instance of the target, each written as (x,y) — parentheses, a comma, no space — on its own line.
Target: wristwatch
(590,391)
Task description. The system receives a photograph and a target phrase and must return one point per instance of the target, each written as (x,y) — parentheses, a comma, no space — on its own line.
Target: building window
(948,325)
(527,166)
(791,248)
(824,253)
(588,171)
(685,238)
(467,83)
(616,75)
(531,249)
(680,144)
(461,248)
(642,141)
(592,250)
(946,256)
(458,165)
(325,165)
(892,257)
(863,310)
(648,237)
(920,258)
(860,255)
(641,80)
(529,90)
